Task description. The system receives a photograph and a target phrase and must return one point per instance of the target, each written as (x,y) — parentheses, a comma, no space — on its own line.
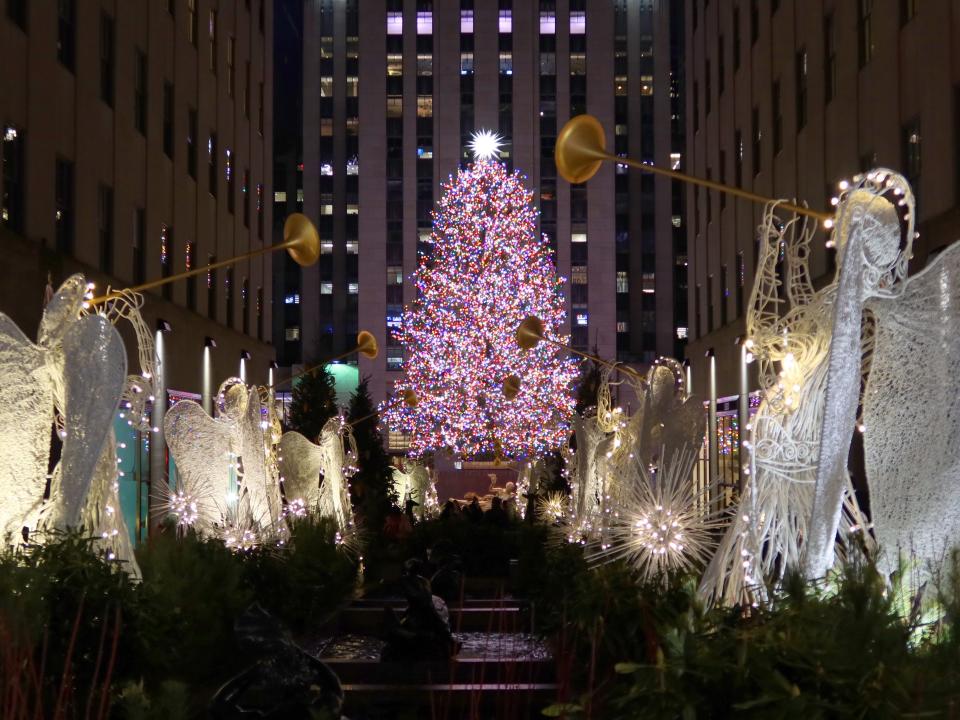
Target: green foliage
(62,606)
(588,384)
(313,403)
(814,652)
(372,486)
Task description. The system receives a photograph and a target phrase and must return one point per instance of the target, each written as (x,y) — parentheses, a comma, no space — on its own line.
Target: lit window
(280,196)
(292,333)
(505,22)
(394,64)
(506,63)
(394,319)
(676,220)
(326,209)
(394,358)
(578,237)
(621,326)
(394,23)
(397,440)
(326,168)
(424,236)
(300,196)
(620,129)
(326,247)
(353,86)
(424,153)
(646,84)
(578,22)
(578,63)
(681,333)
(581,319)
(424,64)
(293,299)
(578,274)
(649,283)
(353,209)
(394,106)
(326,288)
(466,63)
(424,23)
(353,247)
(326,127)
(466,21)
(620,85)
(326,86)
(394,275)
(675,161)
(548,23)
(353,166)
(353,288)
(623,282)
(424,106)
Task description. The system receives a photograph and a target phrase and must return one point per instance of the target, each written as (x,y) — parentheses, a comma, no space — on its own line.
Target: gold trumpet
(366,346)
(530,333)
(581,148)
(300,240)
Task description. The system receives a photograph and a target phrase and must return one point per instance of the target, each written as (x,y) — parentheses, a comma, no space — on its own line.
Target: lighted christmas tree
(487,272)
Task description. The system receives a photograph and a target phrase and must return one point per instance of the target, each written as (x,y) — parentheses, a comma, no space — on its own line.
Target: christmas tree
(372,485)
(487,272)
(313,403)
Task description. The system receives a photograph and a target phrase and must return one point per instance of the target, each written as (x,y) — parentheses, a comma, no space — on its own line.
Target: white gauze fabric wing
(300,465)
(911,414)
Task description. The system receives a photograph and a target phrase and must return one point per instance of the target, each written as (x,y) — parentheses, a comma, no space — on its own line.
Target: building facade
(136,145)
(786,99)
(393,90)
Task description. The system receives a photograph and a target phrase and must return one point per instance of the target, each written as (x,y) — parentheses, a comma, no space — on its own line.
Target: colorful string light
(488,271)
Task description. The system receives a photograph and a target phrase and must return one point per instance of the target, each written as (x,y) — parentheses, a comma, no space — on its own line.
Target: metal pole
(743,418)
(158,446)
(712,428)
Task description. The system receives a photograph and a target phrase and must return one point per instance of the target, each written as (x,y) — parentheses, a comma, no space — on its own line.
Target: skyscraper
(393,90)
(136,145)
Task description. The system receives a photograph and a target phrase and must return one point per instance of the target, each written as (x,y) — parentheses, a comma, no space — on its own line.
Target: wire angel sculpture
(73,379)
(791,347)
(413,480)
(910,397)
(318,475)
(226,485)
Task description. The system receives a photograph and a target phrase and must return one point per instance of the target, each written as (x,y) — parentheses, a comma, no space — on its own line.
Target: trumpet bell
(511,386)
(301,239)
(580,149)
(529,332)
(367,344)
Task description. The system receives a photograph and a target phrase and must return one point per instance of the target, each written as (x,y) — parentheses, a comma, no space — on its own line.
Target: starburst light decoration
(485,145)
(487,272)
(658,526)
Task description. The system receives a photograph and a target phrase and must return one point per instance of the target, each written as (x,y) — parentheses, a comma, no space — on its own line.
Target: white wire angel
(766,535)
(74,379)
(413,480)
(319,474)
(224,474)
(911,396)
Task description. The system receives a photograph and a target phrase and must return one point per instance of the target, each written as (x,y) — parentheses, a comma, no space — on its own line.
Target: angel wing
(300,465)
(202,450)
(95,370)
(260,486)
(911,412)
(26,416)
(334,492)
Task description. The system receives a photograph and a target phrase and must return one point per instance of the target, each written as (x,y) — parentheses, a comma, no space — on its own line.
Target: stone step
(369,619)
(474,700)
